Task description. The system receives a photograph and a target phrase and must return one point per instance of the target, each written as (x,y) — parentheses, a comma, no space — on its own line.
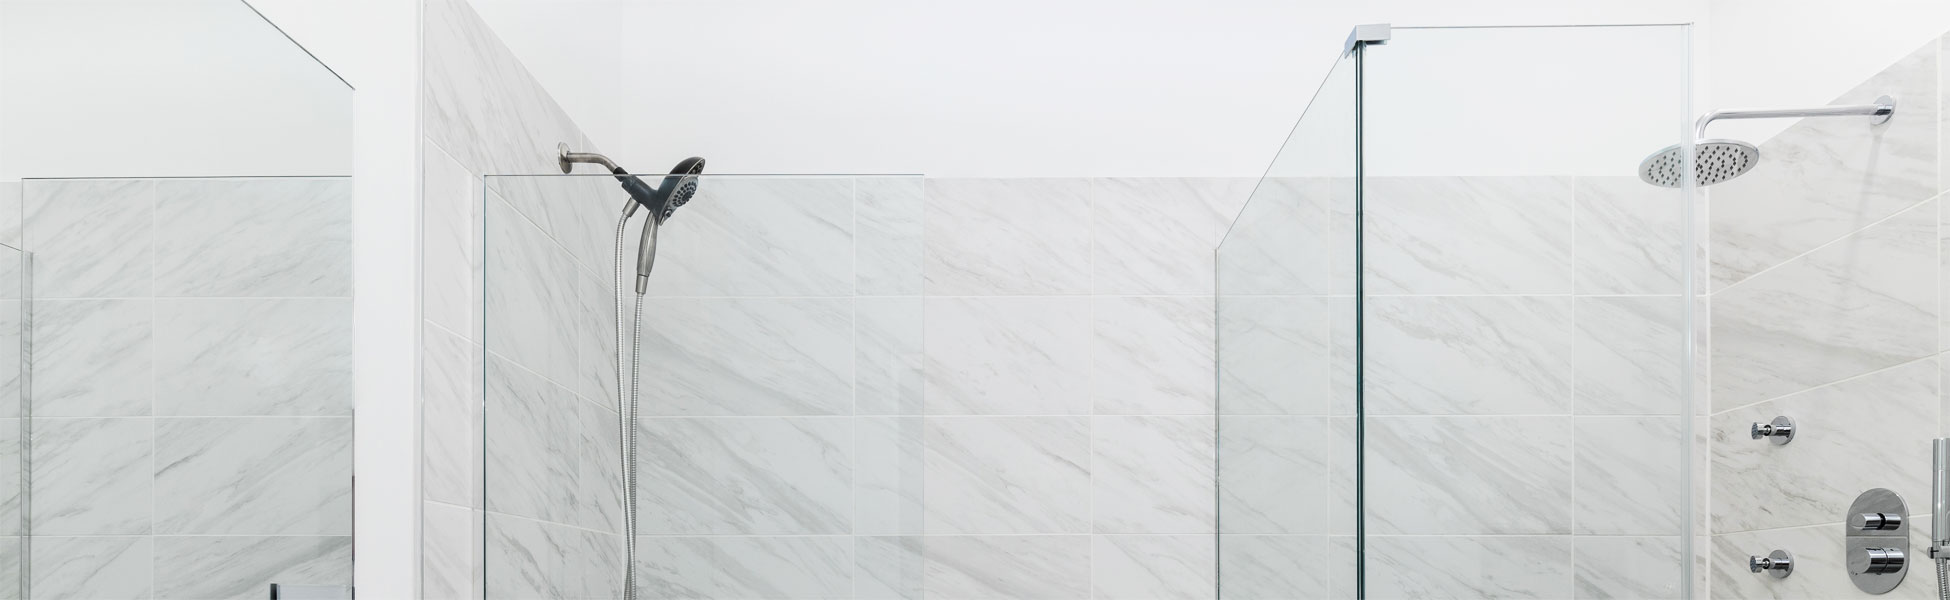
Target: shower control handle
(1875,560)
(1875,521)
(1777,563)
(1779,431)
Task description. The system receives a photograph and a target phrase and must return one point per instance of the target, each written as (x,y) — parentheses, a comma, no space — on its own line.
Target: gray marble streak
(290,357)
(1007,356)
(13,338)
(242,568)
(92,358)
(598,479)
(1156,235)
(1290,238)
(91,477)
(595,569)
(1629,236)
(746,568)
(450,426)
(254,476)
(789,476)
(1277,354)
(10,213)
(90,238)
(1641,568)
(91,568)
(450,552)
(480,104)
(450,199)
(1812,545)
(254,237)
(1865,303)
(1630,479)
(747,357)
(1007,236)
(1468,235)
(12,568)
(1401,567)
(888,568)
(10,481)
(578,212)
(1152,356)
(1152,474)
(887,243)
(530,445)
(1440,482)
(1036,567)
(1823,178)
(1763,486)
(1153,567)
(1943,113)
(1275,567)
(1627,357)
(530,296)
(887,356)
(1001,475)
(528,560)
(1468,355)
(596,355)
(761,236)
(889,476)
(1275,474)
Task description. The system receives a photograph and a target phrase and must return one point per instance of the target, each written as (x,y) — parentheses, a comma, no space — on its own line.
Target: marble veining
(1035,567)
(1007,356)
(889,567)
(530,445)
(1468,355)
(889,476)
(887,243)
(1141,567)
(1152,474)
(92,568)
(10,212)
(91,476)
(254,476)
(1468,235)
(530,295)
(1279,355)
(1290,238)
(1155,236)
(1630,479)
(254,237)
(1627,356)
(92,358)
(1643,568)
(1443,483)
(1275,567)
(1002,475)
(599,483)
(1629,235)
(1271,471)
(788,476)
(772,236)
(595,338)
(480,104)
(751,568)
(1007,236)
(450,197)
(887,356)
(1538,567)
(528,560)
(236,357)
(449,552)
(242,568)
(450,420)
(90,238)
(747,356)
(1152,355)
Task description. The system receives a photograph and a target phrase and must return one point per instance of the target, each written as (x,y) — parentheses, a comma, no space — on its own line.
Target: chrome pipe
(1940,499)
(1883,108)
(567,160)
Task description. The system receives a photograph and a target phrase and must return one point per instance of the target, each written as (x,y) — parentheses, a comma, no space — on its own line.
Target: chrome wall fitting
(1780,431)
(1876,541)
(1777,563)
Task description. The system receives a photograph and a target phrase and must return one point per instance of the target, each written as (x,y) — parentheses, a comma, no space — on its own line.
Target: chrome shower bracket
(1780,431)
(1876,541)
(1778,563)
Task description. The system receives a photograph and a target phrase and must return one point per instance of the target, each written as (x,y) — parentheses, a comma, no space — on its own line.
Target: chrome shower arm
(567,159)
(1882,110)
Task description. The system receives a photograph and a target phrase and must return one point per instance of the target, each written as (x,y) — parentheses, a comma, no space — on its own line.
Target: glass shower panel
(1288,411)
(1525,364)
(779,389)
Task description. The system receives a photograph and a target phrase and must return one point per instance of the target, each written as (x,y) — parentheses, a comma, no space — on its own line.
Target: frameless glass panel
(777,388)
(1287,365)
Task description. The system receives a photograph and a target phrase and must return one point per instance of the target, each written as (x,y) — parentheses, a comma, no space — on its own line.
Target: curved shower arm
(1882,110)
(568,159)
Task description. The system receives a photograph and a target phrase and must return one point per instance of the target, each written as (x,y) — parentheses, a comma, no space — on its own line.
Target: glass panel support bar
(1372,33)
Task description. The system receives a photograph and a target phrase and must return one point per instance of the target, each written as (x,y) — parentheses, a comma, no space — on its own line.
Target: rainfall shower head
(1714,161)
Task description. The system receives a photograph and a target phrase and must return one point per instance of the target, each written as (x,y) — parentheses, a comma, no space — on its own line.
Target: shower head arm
(1881,110)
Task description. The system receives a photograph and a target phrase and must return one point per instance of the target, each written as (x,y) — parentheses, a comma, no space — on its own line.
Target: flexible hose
(1942,580)
(626,391)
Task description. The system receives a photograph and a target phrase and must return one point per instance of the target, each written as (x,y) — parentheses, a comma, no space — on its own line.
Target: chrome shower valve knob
(1777,563)
(1779,431)
(1875,560)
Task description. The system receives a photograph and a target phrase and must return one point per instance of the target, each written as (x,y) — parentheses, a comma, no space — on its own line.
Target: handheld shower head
(677,190)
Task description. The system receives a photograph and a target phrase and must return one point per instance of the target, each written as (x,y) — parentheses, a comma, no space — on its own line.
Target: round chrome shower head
(1714,161)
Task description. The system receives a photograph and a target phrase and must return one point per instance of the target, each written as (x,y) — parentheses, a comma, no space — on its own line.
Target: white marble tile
(243,568)
(91,358)
(254,237)
(450,553)
(14,330)
(1865,303)
(528,560)
(888,476)
(1943,114)
(1640,568)
(478,101)
(531,303)
(450,427)
(12,567)
(1034,567)
(596,338)
(1153,567)
(1001,475)
(450,198)
(92,477)
(1818,552)
(530,444)
(1007,356)
(746,568)
(10,212)
(1758,485)
(1461,475)
(1279,354)
(1823,178)
(598,479)
(1152,474)
(788,476)
(90,238)
(1007,236)
(1467,235)
(234,357)
(11,483)
(747,356)
(887,356)
(1290,239)
(579,212)
(1275,567)
(1275,474)
(1628,355)
(760,236)
(888,568)
(596,565)
(1630,478)
(1629,235)
(254,476)
(1152,355)
(1468,355)
(887,245)
(1537,567)
(91,568)
(1156,235)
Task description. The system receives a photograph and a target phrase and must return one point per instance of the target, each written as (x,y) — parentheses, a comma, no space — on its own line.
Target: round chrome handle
(1875,522)
(1779,431)
(1876,560)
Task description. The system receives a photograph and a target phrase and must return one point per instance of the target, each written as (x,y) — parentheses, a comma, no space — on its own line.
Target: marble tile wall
(194,346)
(1827,270)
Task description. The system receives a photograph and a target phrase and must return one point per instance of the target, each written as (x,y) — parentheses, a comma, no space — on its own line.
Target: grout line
(1824,245)
(1905,363)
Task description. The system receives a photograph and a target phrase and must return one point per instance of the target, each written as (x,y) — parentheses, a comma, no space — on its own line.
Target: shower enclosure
(1454,357)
